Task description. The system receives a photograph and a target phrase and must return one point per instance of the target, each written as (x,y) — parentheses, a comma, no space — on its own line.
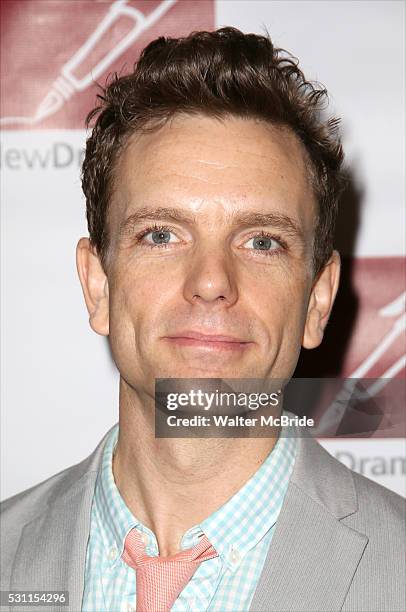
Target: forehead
(211,166)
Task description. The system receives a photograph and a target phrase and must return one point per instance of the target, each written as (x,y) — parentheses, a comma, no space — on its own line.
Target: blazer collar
(313,555)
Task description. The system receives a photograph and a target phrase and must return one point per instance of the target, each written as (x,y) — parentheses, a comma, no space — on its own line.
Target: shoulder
(34,500)
(364,508)
(19,510)
(378,507)
(379,577)
(379,514)
(351,497)
(374,503)
(24,506)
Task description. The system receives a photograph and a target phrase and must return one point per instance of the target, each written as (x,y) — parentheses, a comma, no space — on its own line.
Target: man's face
(211,226)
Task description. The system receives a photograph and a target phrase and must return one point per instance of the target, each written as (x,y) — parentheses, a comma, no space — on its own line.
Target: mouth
(211,342)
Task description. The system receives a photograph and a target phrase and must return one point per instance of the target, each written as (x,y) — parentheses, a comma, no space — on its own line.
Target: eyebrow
(237,219)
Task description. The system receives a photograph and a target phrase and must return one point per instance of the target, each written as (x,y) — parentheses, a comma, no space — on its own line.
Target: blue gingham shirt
(241,532)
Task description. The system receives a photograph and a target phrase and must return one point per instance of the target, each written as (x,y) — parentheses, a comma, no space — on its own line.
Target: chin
(211,371)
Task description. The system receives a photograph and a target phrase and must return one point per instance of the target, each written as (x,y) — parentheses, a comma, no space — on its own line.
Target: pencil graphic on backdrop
(68,82)
(336,410)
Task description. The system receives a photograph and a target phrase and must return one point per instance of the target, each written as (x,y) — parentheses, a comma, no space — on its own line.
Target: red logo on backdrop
(378,350)
(365,338)
(53,52)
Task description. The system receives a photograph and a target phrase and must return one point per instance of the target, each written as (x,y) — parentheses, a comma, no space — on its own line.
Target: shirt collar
(233,529)
(113,516)
(247,517)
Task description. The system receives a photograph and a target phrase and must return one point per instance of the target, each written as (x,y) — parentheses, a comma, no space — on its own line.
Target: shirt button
(234,556)
(127,607)
(112,553)
(145,538)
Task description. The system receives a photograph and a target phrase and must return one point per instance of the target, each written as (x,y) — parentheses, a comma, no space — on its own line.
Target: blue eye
(263,243)
(160,237)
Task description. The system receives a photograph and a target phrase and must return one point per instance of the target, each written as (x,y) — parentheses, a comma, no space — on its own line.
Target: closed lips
(206,337)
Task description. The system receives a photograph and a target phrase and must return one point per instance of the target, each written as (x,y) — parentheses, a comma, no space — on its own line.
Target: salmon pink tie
(161,579)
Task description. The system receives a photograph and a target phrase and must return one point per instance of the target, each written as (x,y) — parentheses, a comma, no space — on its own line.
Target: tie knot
(159,580)
(134,552)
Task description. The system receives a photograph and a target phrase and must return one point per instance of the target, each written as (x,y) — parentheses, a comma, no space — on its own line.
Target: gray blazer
(339,542)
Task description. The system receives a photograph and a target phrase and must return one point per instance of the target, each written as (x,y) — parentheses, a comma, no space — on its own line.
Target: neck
(172,484)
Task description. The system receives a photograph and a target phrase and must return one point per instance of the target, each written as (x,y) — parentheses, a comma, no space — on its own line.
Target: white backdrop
(59,387)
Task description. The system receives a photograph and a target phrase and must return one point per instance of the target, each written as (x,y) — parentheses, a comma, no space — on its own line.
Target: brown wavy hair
(220,73)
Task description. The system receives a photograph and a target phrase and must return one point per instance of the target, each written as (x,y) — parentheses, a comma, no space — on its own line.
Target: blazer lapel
(313,556)
(52,550)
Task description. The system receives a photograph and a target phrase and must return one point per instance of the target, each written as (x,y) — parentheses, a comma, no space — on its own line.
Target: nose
(211,279)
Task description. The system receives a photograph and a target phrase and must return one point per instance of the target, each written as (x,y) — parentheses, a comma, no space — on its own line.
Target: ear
(94,285)
(321,302)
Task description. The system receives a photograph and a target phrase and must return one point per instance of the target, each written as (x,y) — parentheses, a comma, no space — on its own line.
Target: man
(211,182)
